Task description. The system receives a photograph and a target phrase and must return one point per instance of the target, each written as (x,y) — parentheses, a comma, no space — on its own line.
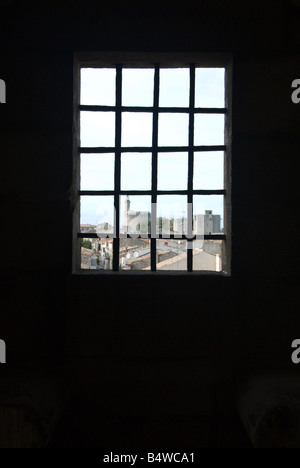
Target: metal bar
(146,149)
(112,192)
(169,110)
(149,192)
(154,169)
(191,167)
(94,235)
(116,242)
(209,192)
(75,204)
(92,193)
(191,192)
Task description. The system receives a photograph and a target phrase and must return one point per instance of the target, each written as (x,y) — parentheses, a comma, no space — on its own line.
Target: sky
(98,129)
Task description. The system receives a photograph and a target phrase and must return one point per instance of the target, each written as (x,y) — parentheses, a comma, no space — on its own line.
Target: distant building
(180,226)
(202,260)
(207,223)
(96,245)
(203,224)
(88,259)
(135,221)
(87,228)
(106,254)
(104,229)
(134,254)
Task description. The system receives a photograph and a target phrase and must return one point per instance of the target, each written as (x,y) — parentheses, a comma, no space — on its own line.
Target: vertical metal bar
(191,168)
(118,128)
(227,213)
(154,169)
(76,170)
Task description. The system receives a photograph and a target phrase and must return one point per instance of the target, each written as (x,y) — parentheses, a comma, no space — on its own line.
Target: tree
(87,244)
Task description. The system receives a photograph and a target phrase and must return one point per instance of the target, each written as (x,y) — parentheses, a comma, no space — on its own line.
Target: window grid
(155,149)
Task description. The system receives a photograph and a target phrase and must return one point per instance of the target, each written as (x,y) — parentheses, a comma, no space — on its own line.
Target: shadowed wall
(152,361)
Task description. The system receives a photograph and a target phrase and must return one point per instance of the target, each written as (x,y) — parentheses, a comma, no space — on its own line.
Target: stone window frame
(121,60)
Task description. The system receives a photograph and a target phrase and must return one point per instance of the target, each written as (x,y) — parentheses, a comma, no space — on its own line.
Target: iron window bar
(94,235)
(150,192)
(118,123)
(153,246)
(162,110)
(148,149)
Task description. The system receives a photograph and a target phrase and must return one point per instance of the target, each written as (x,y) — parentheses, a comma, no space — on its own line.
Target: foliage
(87,244)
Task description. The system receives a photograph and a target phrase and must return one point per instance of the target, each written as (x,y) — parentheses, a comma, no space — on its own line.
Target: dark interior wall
(155,358)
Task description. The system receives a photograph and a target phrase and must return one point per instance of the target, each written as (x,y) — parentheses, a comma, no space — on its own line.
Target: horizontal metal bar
(94,235)
(93,193)
(169,110)
(111,192)
(143,149)
(192,192)
(149,192)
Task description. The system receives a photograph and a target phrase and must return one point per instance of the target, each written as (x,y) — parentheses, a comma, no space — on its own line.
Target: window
(152,163)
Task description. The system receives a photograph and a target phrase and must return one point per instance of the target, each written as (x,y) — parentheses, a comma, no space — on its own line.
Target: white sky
(98,129)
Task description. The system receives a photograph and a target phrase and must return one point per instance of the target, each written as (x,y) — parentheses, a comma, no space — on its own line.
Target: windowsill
(94,273)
